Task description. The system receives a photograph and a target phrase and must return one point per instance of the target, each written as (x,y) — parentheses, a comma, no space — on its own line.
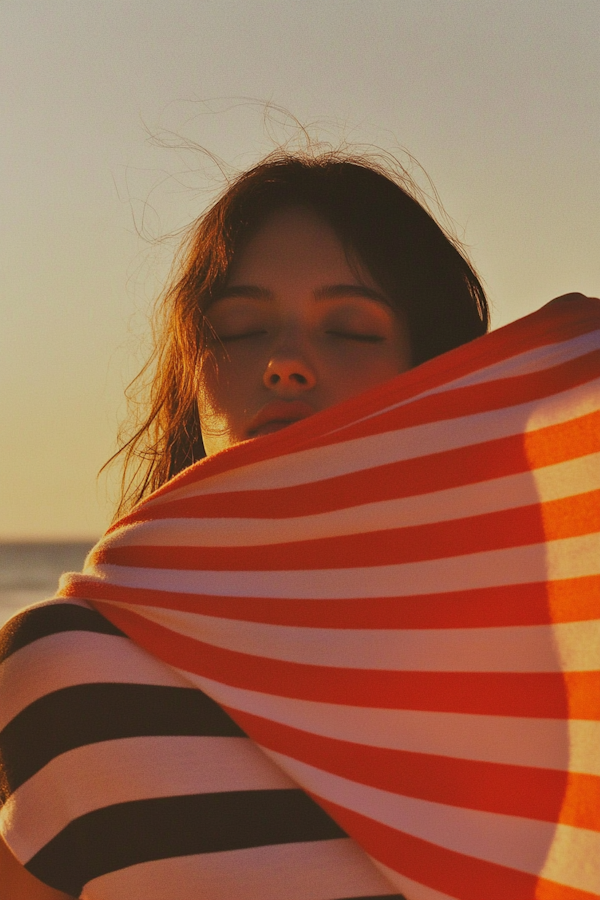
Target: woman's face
(298,331)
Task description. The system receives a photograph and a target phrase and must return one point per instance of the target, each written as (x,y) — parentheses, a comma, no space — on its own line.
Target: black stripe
(130,833)
(87,713)
(33,624)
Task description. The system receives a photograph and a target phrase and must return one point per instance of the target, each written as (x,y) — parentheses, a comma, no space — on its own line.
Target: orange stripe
(550,890)
(583,692)
(574,599)
(571,516)
(569,440)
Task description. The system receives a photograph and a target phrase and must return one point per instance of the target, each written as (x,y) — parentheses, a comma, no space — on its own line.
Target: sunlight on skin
(298,328)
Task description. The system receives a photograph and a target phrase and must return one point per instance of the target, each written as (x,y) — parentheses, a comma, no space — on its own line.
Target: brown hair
(380,223)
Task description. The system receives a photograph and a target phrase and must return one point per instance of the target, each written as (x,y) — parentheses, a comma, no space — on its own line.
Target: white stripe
(311,870)
(109,772)
(554,482)
(562,647)
(539,359)
(512,841)
(72,658)
(358,454)
(554,560)
(563,745)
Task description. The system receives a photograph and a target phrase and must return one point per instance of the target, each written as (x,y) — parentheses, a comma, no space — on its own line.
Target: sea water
(29,572)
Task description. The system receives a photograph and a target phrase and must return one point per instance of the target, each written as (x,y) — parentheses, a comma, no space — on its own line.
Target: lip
(278,414)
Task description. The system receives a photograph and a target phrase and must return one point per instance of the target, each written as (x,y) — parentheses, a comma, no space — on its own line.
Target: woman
(302,293)
(308,281)
(377,233)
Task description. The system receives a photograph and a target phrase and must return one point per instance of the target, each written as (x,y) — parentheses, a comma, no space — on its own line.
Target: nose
(289,375)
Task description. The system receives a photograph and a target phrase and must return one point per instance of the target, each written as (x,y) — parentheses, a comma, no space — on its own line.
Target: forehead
(294,243)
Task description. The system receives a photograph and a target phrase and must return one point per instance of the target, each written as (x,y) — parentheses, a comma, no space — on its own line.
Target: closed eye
(353,336)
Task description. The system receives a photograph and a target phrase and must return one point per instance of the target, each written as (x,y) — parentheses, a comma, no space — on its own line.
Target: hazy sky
(497,100)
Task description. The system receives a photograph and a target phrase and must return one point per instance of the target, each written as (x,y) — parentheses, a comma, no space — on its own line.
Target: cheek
(214,425)
(224,394)
(363,380)
(217,425)
(215,403)
(364,367)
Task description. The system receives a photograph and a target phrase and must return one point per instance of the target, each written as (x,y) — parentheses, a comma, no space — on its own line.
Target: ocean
(29,572)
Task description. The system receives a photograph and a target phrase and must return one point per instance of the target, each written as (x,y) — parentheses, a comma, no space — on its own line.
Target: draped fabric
(121,781)
(398,599)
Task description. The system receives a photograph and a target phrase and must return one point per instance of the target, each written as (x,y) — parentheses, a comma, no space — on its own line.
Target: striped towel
(398,599)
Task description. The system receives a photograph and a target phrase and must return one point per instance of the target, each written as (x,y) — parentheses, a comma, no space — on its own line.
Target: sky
(102,103)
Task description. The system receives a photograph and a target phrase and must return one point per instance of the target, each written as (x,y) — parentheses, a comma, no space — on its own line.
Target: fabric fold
(430,551)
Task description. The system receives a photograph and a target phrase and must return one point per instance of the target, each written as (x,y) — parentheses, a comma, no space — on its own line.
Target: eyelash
(346,335)
(362,338)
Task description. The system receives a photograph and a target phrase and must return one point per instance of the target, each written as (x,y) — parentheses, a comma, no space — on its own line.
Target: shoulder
(69,679)
(84,714)
(122,779)
(48,618)
(39,643)
(64,642)
(56,656)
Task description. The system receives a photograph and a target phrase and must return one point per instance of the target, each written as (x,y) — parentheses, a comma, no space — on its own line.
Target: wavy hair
(381,219)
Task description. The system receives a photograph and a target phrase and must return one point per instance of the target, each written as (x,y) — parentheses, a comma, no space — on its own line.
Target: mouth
(277,415)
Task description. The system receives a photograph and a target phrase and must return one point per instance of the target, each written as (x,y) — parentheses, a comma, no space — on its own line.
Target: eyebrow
(327,292)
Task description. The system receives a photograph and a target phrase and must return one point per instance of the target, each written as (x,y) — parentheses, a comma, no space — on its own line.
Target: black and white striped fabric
(120,781)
